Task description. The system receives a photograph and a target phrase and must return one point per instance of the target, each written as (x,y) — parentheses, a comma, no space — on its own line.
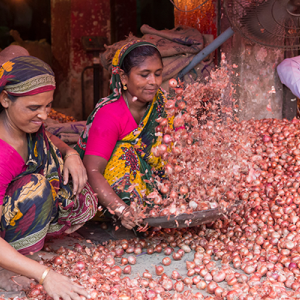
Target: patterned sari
(132,163)
(37,203)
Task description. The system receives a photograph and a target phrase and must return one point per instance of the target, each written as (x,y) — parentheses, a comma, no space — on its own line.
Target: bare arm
(55,284)
(73,164)
(95,166)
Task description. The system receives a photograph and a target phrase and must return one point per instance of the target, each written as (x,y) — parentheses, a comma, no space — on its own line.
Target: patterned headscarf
(26,75)
(115,86)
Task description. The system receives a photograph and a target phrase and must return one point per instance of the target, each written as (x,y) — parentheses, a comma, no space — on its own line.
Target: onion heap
(206,159)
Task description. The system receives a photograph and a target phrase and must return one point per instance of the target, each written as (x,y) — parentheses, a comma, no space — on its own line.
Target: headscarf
(25,76)
(115,86)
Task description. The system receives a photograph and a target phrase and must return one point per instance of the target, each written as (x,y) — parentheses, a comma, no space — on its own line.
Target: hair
(137,56)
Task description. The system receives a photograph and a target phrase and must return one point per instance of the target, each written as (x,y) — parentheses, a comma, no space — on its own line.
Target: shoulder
(114,112)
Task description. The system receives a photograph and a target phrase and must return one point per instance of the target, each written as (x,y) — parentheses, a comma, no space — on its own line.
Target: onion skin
(179,286)
(159,270)
(166,261)
(132,260)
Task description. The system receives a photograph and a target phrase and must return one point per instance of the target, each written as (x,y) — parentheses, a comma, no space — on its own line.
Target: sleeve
(103,134)
(289,74)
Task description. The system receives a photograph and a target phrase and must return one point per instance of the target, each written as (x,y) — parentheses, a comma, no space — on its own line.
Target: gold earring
(124,87)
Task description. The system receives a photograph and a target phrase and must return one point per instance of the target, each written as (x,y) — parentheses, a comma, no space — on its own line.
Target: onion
(167,284)
(159,270)
(173,83)
(124,261)
(211,287)
(80,265)
(57,260)
(127,270)
(168,251)
(175,275)
(166,261)
(201,285)
(176,256)
(132,260)
(219,276)
(179,286)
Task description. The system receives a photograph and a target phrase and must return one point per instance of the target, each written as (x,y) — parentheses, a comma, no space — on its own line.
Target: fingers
(81,291)
(66,175)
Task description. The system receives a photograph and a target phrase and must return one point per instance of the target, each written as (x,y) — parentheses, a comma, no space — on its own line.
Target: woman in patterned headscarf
(117,143)
(36,199)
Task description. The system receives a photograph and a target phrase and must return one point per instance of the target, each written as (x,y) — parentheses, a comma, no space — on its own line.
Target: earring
(124,87)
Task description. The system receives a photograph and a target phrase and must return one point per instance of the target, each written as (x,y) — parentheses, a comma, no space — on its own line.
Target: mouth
(38,123)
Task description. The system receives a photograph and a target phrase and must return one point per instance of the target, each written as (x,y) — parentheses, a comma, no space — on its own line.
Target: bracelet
(44,276)
(73,153)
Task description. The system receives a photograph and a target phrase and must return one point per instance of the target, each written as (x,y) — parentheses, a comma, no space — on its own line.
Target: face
(145,79)
(28,113)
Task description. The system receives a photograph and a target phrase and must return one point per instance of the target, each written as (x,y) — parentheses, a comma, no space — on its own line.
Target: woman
(36,199)
(116,145)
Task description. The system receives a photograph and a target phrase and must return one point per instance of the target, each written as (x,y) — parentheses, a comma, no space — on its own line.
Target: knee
(31,186)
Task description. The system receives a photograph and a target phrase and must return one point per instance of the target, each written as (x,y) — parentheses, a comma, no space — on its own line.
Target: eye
(158,74)
(33,108)
(49,105)
(144,75)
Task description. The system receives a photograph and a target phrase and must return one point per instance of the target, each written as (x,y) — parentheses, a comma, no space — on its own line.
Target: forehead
(38,99)
(149,63)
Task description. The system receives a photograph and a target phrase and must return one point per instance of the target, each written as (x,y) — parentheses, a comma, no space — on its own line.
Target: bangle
(44,276)
(73,153)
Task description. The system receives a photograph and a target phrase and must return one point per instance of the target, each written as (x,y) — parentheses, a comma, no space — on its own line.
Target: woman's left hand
(74,166)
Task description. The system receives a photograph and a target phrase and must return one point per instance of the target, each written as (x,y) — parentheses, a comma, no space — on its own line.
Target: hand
(58,286)
(73,165)
(129,219)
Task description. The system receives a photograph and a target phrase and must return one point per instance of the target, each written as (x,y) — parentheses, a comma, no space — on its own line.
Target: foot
(74,228)
(12,282)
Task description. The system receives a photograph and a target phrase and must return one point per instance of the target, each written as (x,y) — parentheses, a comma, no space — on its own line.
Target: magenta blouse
(111,124)
(11,165)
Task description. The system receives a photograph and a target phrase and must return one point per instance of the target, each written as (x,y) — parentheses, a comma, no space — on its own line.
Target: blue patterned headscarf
(26,75)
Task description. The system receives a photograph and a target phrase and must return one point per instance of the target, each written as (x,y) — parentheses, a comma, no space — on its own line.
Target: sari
(132,164)
(37,204)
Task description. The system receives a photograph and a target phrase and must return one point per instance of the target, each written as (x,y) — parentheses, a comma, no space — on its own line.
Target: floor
(96,232)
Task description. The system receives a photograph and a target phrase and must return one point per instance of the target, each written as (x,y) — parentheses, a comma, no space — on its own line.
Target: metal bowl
(193,219)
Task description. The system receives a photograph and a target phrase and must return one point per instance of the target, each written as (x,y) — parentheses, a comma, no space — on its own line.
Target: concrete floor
(92,231)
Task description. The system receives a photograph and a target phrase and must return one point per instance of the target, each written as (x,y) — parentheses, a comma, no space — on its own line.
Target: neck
(136,105)
(10,130)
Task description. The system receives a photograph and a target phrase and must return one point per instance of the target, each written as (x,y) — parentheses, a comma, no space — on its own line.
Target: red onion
(127,270)
(132,259)
(166,261)
(179,286)
(173,83)
(167,284)
(159,270)
(175,275)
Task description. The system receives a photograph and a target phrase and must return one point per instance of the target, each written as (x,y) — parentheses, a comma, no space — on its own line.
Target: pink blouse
(111,124)
(11,165)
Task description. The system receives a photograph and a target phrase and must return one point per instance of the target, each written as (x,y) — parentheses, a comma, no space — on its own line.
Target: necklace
(125,98)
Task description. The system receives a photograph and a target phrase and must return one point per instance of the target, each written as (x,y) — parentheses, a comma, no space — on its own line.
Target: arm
(289,74)
(73,164)
(55,284)
(95,166)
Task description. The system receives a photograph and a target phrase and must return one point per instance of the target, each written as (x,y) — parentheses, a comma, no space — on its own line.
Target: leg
(27,211)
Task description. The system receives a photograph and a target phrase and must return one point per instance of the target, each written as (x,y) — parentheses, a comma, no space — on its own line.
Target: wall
(70,21)
(258,90)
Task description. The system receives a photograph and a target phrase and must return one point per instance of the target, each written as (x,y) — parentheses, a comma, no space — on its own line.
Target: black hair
(137,56)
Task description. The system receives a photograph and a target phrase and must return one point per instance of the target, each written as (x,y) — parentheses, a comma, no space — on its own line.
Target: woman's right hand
(129,218)
(58,286)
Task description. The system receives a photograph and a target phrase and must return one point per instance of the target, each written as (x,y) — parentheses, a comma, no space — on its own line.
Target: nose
(43,114)
(152,79)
